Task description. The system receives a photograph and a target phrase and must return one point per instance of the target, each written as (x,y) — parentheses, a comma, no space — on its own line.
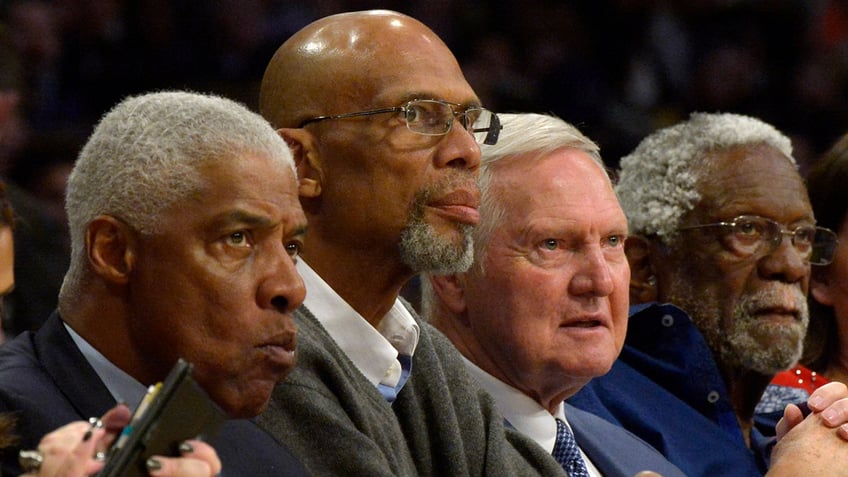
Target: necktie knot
(567,453)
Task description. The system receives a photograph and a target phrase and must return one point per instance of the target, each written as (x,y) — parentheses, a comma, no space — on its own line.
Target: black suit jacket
(47,382)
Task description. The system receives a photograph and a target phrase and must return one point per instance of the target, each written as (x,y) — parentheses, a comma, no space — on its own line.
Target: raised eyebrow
(249,219)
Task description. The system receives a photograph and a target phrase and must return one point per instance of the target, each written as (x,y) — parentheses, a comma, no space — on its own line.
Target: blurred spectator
(826,345)
(36,185)
(618,69)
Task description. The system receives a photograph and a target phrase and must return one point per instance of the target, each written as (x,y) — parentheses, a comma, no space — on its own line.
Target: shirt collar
(520,410)
(123,387)
(373,351)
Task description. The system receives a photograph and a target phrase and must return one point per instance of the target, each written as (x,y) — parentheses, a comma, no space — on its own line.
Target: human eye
(239,239)
(429,116)
(470,117)
(804,235)
(293,248)
(750,229)
(615,241)
(549,244)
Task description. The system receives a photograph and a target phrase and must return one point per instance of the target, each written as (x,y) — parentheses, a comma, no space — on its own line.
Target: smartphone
(171,412)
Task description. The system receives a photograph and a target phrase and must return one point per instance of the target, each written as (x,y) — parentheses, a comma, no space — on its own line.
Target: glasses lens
(750,233)
(824,246)
(431,118)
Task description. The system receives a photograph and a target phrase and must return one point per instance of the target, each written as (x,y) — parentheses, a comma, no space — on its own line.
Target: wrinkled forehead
(751,180)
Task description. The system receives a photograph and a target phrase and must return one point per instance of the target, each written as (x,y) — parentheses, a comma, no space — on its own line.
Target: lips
(587,321)
(777,310)
(460,205)
(281,350)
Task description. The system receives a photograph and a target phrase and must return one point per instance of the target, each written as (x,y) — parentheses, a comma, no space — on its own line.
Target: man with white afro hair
(721,227)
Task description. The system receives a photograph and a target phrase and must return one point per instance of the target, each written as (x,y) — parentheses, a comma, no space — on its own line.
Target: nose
(594,277)
(458,149)
(282,288)
(785,263)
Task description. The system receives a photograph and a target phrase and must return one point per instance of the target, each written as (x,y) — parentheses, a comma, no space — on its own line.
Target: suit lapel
(68,368)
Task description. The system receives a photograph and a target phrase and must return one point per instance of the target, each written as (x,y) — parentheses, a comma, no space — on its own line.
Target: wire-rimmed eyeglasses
(432,117)
(752,235)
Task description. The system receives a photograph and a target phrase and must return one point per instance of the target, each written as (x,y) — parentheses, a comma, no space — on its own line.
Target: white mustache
(780,296)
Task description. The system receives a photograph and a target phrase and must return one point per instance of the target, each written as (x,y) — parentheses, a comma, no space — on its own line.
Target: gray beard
(737,347)
(423,250)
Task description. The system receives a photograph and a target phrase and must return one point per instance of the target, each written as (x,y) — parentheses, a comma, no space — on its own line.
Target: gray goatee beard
(423,250)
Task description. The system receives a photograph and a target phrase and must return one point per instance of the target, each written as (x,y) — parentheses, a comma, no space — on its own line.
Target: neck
(370,285)
(745,388)
(837,368)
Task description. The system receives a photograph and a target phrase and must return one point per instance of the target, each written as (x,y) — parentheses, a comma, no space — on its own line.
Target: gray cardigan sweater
(442,423)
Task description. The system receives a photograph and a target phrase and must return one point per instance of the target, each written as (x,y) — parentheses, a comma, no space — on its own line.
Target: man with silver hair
(185,229)
(544,307)
(721,228)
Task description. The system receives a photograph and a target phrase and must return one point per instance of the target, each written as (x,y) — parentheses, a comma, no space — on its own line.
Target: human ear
(309,172)
(110,245)
(449,293)
(643,279)
(820,287)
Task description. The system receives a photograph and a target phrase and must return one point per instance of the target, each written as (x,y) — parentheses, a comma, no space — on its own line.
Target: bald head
(343,62)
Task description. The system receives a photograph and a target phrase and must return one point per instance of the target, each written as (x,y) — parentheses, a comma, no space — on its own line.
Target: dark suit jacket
(613,449)
(46,382)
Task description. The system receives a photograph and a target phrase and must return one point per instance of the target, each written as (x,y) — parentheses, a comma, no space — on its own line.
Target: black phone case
(178,411)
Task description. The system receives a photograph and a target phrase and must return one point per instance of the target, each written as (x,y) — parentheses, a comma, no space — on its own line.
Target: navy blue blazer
(614,450)
(47,383)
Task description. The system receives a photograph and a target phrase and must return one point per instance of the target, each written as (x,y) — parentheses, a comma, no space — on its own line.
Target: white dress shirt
(373,351)
(524,414)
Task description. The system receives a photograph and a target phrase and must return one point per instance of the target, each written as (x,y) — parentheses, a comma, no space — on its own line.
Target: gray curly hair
(657,181)
(144,154)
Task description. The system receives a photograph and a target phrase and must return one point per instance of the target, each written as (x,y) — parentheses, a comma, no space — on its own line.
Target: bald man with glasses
(386,136)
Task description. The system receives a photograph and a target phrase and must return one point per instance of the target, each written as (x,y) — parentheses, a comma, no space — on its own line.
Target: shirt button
(712,397)
(667,320)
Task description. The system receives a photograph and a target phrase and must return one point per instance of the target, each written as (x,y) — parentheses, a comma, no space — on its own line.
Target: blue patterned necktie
(566,452)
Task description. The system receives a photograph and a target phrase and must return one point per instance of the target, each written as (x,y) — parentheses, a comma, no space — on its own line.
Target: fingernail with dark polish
(153,464)
(186,448)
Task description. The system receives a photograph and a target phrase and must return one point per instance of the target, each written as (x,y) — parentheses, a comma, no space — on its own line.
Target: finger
(114,421)
(792,416)
(197,449)
(647,473)
(116,418)
(836,414)
(81,460)
(66,453)
(826,395)
(843,431)
(158,466)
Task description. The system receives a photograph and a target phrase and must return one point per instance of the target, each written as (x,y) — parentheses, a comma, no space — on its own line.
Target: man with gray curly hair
(722,228)
(185,228)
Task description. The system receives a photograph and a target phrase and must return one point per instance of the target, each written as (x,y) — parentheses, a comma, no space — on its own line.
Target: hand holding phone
(171,412)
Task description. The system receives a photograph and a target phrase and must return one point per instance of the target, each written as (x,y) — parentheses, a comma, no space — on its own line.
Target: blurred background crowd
(618,69)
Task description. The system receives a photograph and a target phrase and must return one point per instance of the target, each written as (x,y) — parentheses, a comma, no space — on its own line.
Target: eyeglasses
(752,235)
(432,117)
